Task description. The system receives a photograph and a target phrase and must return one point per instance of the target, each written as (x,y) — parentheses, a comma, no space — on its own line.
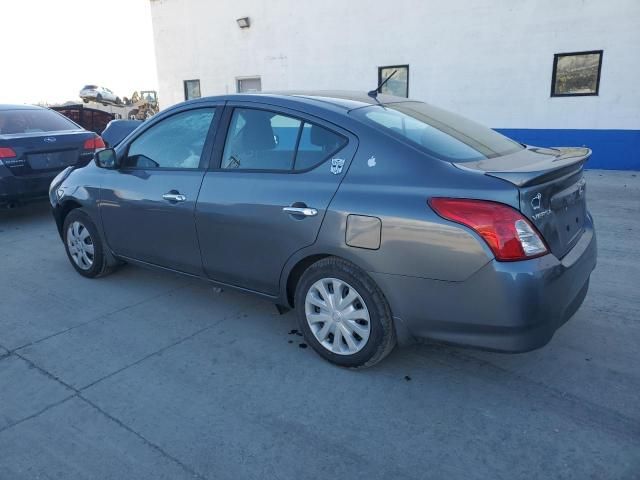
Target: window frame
(205,157)
(216,160)
(557,56)
(250,77)
(380,79)
(186,90)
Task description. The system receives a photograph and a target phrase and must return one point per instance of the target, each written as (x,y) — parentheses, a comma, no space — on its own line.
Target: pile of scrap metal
(144,104)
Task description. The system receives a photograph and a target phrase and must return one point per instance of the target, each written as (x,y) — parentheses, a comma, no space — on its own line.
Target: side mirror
(107,159)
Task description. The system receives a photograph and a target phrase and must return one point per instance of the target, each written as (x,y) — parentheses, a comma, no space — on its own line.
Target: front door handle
(174,197)
(304,211)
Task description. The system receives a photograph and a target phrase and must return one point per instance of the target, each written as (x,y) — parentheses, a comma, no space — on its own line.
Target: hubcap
(80,245)
(337,316)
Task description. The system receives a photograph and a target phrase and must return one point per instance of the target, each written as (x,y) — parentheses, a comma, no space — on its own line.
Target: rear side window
(175,142)
(316,145)
(260,140)
(441,134)
(264,140)
(15,122)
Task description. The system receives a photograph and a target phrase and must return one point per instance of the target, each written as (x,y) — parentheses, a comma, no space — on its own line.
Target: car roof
(4,107)
(334,99)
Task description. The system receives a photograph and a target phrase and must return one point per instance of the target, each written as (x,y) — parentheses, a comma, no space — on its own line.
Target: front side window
(439,133)
(191,89)
(398,84)
(175,142)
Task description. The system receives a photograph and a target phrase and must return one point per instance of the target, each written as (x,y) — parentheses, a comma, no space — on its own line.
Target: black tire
(382,336)
(99,266)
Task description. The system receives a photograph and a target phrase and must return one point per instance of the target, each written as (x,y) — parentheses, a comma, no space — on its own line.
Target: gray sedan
(380,220)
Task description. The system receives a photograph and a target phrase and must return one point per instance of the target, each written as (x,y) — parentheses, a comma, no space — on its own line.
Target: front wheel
(343,314)
(83,245)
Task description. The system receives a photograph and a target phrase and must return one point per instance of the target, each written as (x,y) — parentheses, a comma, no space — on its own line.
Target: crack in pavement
(96,319)
(146,441)
(38,413)
(161,350)
(77,393)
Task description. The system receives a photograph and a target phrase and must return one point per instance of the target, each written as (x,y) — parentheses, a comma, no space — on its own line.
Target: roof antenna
(374,93)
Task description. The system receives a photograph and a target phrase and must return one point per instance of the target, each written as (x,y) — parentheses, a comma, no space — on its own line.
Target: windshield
(14,122)
(441,134)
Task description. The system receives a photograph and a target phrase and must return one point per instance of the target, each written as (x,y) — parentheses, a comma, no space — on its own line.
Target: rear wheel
(83,245)
(343,314)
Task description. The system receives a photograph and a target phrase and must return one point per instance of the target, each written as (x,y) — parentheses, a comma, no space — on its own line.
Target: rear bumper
(505,306)
(15,189)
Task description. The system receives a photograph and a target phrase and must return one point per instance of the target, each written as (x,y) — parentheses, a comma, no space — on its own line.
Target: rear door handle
(174,197)
(304,211)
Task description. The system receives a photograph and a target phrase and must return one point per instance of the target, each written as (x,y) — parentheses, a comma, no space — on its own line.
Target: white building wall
(491,60)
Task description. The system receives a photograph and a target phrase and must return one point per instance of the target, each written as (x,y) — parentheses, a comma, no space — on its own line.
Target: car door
(147,206)
(275,174)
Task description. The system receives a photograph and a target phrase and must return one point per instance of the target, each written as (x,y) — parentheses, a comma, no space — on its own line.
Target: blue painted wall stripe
(612,149)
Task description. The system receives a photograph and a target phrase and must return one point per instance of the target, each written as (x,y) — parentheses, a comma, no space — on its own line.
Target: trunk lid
(46,152)
(551,188)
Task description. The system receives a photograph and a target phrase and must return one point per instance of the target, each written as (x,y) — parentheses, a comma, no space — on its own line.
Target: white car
(99,94)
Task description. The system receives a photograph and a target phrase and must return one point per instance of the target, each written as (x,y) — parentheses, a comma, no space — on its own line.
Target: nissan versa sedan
(35,145)
(378,219)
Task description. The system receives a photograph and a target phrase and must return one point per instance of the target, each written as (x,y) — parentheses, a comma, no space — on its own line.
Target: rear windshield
(439,133)
(14,122)
(89,87)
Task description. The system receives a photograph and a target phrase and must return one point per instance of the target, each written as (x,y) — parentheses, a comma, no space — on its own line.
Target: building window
(248,84)
(397,85)
(191,89)
(576,74)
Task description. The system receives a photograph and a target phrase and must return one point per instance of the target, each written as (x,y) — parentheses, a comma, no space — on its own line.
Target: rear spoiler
(554,163)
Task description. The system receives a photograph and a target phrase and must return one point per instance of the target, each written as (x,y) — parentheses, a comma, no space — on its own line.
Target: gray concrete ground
(143,375)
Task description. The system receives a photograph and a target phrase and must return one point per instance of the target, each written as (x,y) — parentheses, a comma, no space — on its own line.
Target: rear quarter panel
(393,181)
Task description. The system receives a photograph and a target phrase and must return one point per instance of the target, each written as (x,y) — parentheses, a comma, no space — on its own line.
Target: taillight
(507,232)
(94,143)
(6,152)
